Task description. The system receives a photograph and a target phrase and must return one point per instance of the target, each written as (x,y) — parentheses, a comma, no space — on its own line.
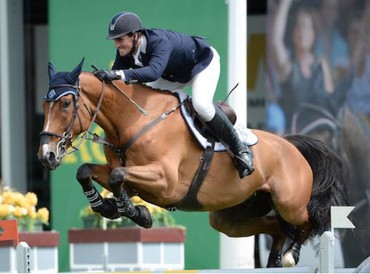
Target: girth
(190,201)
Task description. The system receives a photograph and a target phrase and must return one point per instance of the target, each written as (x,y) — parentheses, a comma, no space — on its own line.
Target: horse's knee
(116,177)
(83,173)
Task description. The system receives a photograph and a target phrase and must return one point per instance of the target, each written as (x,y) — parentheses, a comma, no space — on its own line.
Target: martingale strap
(190,201)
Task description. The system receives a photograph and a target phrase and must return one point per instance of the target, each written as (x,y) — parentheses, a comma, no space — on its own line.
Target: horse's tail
(329,188)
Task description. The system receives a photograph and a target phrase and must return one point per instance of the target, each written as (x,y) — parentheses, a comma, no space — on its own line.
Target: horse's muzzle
(48,160)
(48,153)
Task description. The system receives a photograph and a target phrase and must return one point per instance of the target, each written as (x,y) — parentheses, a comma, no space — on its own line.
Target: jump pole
(237,253)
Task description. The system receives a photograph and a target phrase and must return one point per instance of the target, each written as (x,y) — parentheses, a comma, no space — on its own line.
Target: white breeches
(203,87)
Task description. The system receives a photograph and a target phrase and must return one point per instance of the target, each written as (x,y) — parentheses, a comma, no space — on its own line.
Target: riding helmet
(124,23)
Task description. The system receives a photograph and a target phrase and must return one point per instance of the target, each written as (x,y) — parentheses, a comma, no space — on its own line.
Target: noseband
(67,136)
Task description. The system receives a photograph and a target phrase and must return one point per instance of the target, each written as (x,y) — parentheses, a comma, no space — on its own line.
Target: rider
(171,60)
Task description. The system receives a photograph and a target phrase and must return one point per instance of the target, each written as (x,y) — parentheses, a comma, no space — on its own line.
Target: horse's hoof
(291,256)
(143,217)
(288,260)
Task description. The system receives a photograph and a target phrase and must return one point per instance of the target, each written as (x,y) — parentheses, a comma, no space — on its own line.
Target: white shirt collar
(141,49)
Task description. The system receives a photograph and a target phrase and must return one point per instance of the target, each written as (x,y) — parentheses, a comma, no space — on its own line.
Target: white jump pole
(237,252)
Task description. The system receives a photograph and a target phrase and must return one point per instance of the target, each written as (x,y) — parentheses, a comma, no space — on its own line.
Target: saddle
(201,132)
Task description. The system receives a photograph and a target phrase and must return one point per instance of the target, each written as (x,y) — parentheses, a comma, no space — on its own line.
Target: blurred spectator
(303,77)
(358,35)
(330,41)
(275,117)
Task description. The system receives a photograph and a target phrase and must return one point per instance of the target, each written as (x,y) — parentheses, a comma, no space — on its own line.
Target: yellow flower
(8,198)
(4,211)
(43,215)
(19,211)
(19,199)
(31,210)
(15,205)
(31,199)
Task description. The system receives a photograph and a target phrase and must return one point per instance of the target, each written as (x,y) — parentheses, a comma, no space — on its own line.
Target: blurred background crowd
(318,53)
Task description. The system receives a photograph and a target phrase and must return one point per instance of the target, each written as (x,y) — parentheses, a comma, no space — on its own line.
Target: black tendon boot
(224,130)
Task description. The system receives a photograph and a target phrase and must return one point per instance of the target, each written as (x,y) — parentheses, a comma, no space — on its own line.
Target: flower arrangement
(161,217)
(15,205)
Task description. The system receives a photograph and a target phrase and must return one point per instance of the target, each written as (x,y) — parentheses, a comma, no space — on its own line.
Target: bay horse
(296,178)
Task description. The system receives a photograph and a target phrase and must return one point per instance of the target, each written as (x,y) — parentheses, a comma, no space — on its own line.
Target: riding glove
(108,75)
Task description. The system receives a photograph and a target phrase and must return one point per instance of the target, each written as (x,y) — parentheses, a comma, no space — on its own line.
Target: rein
(141,109)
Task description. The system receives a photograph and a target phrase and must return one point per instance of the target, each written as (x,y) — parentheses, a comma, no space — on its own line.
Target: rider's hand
(107,75)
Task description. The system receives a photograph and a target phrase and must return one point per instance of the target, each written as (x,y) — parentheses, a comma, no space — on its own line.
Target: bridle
(67,136)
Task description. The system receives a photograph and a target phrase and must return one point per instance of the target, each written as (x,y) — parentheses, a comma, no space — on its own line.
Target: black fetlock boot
(138,214)
(224,130)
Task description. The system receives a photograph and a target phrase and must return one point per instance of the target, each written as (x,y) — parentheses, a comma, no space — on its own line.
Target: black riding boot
(224,130)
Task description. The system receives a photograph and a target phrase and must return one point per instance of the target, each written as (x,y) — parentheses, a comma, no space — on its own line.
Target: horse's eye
(66,104)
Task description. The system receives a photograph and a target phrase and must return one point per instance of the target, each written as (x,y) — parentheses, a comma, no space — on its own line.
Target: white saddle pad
(245,134)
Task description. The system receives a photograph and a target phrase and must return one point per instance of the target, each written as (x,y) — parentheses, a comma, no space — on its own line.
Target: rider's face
(124,44)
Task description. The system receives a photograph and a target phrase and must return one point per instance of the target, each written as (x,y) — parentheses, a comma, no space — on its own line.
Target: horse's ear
(77,70)
(52,70)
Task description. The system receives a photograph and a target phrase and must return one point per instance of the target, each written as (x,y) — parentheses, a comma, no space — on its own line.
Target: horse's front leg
(139,214)
(99,173)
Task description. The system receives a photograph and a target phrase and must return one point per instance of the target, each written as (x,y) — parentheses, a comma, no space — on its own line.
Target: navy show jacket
(174,56)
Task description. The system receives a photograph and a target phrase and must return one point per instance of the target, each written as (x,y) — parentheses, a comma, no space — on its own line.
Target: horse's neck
(118,114)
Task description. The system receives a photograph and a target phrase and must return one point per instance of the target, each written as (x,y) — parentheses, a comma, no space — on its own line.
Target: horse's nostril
(51,157)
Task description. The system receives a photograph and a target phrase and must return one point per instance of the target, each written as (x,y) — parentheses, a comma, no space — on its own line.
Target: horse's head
(61,121)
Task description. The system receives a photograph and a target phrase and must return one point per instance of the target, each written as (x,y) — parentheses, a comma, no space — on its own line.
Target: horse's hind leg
(274,259)
(254,226)
(249,218)
(99,173)
(291,255)
(139,214)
